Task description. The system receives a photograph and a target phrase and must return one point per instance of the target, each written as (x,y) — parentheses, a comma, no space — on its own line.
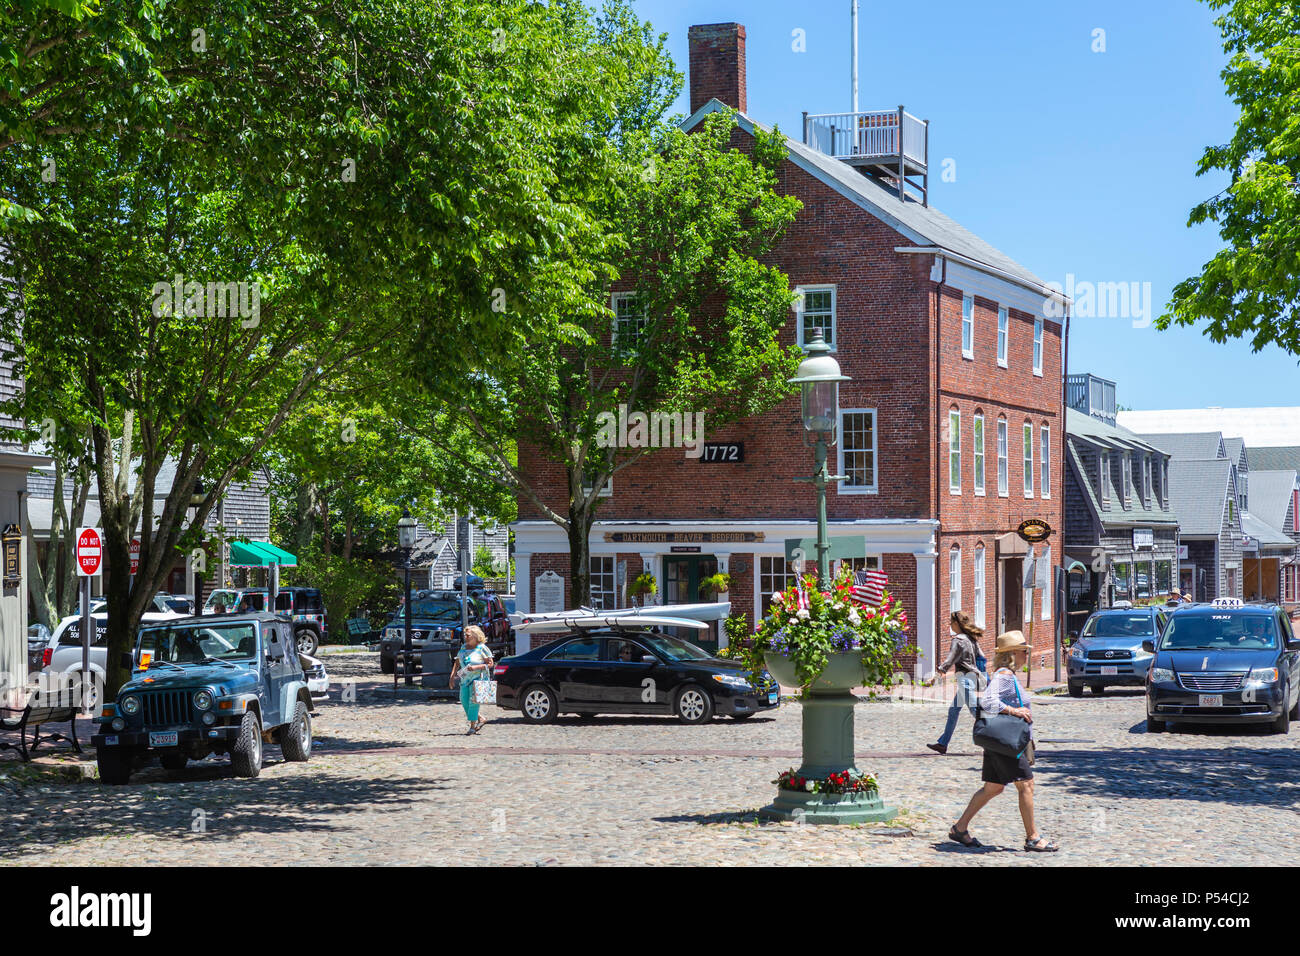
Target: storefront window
(1142,579)
(1164,577)
(604,590)
(1120,579)
(772,576)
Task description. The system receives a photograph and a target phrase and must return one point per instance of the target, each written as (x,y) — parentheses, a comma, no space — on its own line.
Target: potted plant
(643,584)
(825,643)
(715,584)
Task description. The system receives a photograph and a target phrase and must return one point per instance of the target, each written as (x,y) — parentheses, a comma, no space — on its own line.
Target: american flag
(801,599)
(869,587)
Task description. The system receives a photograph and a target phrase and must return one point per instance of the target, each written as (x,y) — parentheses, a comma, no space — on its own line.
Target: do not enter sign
(90,552)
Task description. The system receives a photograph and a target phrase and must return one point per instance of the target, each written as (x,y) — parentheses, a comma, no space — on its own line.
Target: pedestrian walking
(964,656)
(473,663)
(1004,695)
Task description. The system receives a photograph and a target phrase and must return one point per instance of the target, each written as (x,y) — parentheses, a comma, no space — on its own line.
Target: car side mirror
(1149,646)
(649,659)
(127,660)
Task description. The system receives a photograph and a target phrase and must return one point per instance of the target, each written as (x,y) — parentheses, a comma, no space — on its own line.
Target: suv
(305,606)
(204,685)
(435,616)
(1108,651)
(1225,662)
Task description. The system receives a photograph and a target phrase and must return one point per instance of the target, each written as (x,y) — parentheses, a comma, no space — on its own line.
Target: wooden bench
(358,630)
(33,716)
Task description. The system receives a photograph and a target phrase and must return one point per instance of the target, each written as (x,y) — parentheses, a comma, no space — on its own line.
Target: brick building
(951,428)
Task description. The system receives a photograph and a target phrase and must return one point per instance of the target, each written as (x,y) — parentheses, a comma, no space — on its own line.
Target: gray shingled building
(1121,527)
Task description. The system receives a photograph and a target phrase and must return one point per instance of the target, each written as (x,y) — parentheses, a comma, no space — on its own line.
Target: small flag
(869,587)
(801,595)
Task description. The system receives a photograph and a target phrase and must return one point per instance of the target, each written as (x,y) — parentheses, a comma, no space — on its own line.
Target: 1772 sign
(723,451)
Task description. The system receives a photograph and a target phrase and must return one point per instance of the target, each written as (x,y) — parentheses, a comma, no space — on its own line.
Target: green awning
(1074,565)
(259,554)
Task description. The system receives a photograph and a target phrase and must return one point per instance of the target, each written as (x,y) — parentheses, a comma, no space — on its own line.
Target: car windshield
(437,610)
(675,649)
(1252,632)
(1119,625)
(195,644)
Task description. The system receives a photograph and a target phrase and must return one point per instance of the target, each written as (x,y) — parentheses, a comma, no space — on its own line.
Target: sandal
(1041,845)
(963,837)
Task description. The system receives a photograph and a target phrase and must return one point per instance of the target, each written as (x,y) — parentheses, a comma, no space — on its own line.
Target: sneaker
(938,748)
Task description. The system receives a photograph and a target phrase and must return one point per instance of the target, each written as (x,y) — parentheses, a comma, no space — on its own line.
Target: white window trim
(954,489)
(977,454)
(606,492)
(979,571)
(1003,440)
(800,292)
(612,574)
(614,299)
(1028,463)
(1046,601)
(1004,336)
(1039,346)
(968,301)
(1045,462)
(873,488)
(954,579)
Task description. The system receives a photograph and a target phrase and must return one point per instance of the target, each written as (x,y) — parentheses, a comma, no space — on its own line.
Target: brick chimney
(717,64)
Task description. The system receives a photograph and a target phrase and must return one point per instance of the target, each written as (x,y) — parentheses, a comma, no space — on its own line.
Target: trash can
(435,666)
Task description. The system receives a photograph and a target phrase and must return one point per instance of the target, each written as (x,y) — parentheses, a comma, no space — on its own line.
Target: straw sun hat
(1010,641)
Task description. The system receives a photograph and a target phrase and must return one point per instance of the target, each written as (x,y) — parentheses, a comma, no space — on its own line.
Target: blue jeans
(966,691)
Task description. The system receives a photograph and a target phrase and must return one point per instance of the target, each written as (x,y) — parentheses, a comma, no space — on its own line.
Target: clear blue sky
(1067,160)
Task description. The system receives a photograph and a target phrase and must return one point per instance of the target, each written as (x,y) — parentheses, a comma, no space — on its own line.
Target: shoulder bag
(1004,734)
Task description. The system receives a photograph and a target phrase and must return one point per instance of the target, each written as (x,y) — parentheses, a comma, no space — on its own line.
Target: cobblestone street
(397,781)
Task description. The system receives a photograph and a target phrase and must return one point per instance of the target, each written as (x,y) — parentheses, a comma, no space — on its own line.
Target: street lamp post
(827,706)
(406,541)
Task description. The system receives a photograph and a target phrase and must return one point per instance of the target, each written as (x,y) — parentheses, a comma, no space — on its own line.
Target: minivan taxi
(1225,662)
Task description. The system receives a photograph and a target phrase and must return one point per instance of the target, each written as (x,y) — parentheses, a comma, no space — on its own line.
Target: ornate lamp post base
(828,808)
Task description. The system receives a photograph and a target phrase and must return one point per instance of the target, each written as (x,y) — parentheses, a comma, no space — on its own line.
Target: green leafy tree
(1251,289)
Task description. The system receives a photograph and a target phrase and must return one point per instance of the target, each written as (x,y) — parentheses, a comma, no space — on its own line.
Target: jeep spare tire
(246,754)
(295,737)
(308,640)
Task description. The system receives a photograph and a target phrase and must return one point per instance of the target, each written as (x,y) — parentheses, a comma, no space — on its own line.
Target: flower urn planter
(827,745)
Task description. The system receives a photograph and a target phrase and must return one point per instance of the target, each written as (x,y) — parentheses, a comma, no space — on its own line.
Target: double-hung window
(815,312)
(1029,460)
(773,575)
(954,452)
(968,327)
(630,321)
(1003,480)
(979,585)
(954,579)
(857,446)
(604,590)
(1004,333)
(1045,461)
(977,453)
(1038,346)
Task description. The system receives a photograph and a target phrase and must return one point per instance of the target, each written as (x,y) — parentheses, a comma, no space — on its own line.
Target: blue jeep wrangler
(208,685)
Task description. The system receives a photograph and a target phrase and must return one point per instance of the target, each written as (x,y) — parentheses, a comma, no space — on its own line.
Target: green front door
(682,577)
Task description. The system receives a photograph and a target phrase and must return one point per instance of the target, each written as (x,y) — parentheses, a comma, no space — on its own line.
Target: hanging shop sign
(1034,529)
(1143,538)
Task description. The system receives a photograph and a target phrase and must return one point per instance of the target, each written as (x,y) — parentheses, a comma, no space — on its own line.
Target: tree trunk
(305,512)
(579,530)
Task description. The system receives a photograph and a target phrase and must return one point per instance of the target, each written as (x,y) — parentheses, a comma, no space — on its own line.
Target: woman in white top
(1004,695)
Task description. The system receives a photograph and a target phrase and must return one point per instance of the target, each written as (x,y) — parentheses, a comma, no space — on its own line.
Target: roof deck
(891,143)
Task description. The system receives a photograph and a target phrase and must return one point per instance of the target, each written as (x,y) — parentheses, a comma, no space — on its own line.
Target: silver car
(62,657)
(1108,651)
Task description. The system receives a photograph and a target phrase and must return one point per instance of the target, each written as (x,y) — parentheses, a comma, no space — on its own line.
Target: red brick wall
(717,65)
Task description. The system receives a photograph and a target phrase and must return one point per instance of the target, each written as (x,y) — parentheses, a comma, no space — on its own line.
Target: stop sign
(89,552)
(135,555)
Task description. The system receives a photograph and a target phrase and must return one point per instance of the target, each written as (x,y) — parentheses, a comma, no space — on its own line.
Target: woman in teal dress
(473,663)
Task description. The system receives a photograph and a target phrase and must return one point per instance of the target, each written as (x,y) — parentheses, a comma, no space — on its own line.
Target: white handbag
(485,691)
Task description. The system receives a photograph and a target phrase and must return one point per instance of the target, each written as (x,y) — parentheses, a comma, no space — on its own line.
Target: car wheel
(386,664)
(1283,723)
(1155,726)
(114,765)
(538,705)
(295,738)
(246,755)
(308,640)
(1076,690)
(693,705)
(173,760)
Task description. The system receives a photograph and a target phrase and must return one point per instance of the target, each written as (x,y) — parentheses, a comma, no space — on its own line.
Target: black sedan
(1225,663)
(628,672)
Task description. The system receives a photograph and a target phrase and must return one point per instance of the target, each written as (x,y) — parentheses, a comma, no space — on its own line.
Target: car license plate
(1209,700)
(110,741)
(773,697)
(163,739)
(1109,671)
